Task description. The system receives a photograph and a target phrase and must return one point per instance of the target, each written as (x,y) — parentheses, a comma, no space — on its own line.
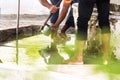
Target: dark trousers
(70,18)
(85,10)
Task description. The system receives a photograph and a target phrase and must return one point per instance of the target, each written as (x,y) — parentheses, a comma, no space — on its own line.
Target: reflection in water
(0,61)
(112,70)
(51,55)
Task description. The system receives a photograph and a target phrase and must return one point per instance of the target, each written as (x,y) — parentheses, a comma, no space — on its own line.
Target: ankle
(80,59)
(65,27)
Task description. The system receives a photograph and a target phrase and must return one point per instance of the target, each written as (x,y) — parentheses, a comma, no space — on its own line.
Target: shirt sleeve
(67,1)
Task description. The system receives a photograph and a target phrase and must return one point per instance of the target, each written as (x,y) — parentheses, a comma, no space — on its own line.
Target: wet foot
(64,36)
(74,61)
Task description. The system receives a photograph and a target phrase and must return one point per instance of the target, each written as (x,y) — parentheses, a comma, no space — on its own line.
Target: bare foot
(74,61)
(64,36)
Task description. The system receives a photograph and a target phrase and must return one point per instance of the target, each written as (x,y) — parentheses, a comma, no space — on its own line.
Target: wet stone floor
(32,64)
(40,59)
(32,49)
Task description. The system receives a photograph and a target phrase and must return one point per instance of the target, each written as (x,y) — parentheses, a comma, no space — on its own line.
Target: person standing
(85,10)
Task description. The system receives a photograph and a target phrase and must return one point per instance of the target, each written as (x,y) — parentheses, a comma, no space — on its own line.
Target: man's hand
(53,8)
(55,27)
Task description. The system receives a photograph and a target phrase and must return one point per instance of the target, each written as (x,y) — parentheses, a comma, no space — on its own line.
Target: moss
(33,44)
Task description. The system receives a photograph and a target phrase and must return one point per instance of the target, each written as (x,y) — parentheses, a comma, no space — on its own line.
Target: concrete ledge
(26,31)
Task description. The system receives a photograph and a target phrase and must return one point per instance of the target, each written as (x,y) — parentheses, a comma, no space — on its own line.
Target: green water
(29,55)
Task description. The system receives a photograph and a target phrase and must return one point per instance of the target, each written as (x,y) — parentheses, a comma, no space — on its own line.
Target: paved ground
(36,69)
(54,72)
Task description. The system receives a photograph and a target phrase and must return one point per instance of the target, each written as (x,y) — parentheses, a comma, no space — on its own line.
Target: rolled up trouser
(85,10)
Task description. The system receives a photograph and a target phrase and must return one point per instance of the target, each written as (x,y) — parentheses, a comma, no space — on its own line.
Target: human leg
(103,17)
(105,47)
(85,11)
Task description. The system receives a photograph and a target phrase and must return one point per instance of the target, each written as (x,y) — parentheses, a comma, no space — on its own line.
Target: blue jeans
(70,18)
(85,10)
